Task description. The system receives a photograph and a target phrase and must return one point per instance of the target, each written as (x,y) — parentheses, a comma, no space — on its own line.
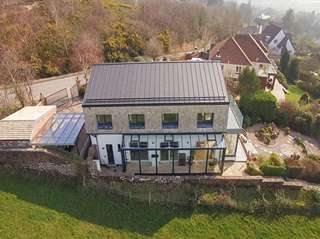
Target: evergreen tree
(249,82)
(288,20)
(293,70)
(284,61)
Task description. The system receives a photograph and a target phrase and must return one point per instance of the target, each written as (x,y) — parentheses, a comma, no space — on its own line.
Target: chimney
(217,57)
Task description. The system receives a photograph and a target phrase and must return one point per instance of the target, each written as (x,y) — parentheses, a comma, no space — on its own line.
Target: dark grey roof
(156,83)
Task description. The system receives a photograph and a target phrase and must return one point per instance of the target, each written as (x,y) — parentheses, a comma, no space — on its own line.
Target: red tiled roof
(231,53)
(259,39)
(252,48)
(240,50)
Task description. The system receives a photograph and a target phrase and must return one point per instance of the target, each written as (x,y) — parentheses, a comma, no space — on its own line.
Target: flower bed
(268,133)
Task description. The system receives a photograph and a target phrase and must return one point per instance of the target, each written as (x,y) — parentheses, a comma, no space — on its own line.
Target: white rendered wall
(114,140)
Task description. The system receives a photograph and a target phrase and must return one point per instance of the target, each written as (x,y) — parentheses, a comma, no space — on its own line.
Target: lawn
(294,93)
(33,208)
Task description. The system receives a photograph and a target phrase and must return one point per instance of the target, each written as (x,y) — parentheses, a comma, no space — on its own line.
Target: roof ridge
(242,51)
(257,44)
(154,62)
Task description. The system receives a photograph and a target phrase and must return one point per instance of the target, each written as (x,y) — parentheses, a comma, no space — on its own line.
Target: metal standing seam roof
(156,83)
(62,131)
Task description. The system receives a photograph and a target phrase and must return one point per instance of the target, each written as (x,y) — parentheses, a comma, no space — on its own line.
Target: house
(244,50)
(34,126)
(276,39)
(162,118)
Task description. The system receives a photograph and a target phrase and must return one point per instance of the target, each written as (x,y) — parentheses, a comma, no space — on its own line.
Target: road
(51,85)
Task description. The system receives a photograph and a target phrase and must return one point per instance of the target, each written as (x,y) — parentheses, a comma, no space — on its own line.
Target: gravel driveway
(284,145)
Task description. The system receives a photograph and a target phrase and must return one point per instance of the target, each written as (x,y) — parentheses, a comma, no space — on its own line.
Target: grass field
(30,208)
(294,93)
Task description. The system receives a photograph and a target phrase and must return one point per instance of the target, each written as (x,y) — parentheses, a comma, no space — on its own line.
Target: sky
(298,5)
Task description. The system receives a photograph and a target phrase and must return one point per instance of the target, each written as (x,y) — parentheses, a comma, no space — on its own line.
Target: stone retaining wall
(41,161)
(13,144)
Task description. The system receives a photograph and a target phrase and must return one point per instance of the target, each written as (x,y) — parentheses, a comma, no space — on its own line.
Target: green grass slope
(294,93)
(33,208)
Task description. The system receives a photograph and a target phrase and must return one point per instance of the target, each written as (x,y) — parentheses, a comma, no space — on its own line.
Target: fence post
(149,198)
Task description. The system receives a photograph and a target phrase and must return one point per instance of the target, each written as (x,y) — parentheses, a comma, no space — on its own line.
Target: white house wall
(273,45)
(115,140)
(290,48)
(229,70)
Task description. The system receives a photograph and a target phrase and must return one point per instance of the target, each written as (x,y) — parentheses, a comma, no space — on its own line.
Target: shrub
(304,99)
(287,130)
(247,122)
(293,70)
(272,170)
(282,118)
(253,169)
(314,157)
(303,122)
(282,79)
(264,105)
(268,133)
(82,91)
(305,169)
(249,82)
(275,160)
(300,143)
(290,110)
(312,199)
(259,105)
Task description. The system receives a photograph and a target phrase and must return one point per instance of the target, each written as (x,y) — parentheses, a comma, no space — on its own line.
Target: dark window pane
(205,120)
(136,121)
(170,121)
(104,121)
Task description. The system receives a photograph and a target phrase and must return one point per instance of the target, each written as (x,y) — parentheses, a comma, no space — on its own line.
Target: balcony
(235,117)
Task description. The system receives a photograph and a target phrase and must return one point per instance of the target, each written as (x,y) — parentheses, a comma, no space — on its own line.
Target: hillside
(30,208)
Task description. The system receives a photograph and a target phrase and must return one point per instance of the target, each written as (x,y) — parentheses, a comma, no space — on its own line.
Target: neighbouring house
(276,39)
(162,118)
(244,50)
(34,126)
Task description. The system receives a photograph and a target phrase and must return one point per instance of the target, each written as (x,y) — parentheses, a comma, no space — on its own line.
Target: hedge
(271,170)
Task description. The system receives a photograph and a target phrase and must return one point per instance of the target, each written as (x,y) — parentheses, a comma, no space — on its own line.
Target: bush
(247,122)
(314,157)
(272,170)
(300,143)
(275,160)
(82,91)
(287,130)
(249,82)
(282,118)
(282,79)
(260,104)
(304,99)
(312,199)
(305,169)
(268,133)
(303,122)
(253,169)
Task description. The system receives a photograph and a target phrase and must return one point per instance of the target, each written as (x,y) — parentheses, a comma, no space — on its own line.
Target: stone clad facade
(153,118)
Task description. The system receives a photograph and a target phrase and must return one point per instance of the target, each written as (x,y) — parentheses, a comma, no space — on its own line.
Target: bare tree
(16,75)
(86,51)
(154,48)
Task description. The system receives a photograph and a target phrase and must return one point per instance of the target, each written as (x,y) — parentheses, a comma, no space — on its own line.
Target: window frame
(170,125)
(203,123)
(104,125)
(136,125)
(238,69)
